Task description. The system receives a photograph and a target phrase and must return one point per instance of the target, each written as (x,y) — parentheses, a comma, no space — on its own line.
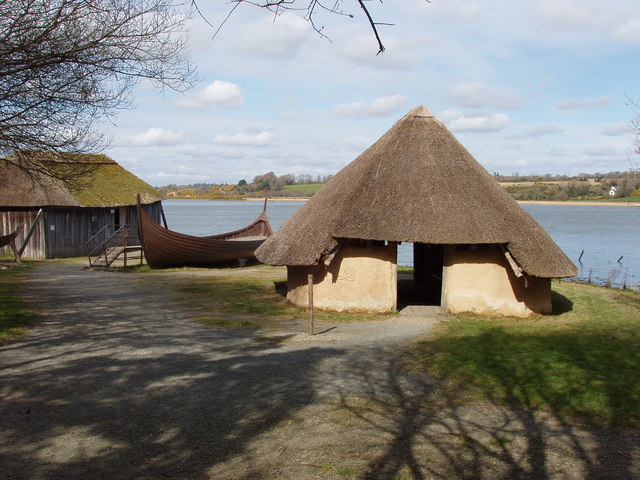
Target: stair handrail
(97,234)
(98,239)
(119,238)
(107,243)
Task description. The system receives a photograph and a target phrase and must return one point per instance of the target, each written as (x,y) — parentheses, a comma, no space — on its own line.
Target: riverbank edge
(585,203)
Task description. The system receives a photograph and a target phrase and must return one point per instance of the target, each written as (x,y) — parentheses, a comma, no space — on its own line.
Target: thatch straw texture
(69,180)
(417,183)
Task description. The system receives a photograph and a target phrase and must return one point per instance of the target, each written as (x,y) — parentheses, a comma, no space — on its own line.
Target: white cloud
(629,31)
(359,46)
(380,107)
(456,121)
(128,162)
(480,58)
(574,14)
(219,94)
(178,175)
(540,130)
(194,151)
(575,103)
(477,95)
(616,129)
(156,137)
(358,142)
(258,140)
(588,19)
(455,12)
(601,150)
(280,38)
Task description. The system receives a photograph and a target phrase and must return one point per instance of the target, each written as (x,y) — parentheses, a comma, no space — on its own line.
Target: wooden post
(164,219)
(310,288)
(12,244)
(126,236)
(31,230)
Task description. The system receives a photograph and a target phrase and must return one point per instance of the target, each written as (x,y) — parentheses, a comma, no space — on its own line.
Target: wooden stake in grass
(310,288)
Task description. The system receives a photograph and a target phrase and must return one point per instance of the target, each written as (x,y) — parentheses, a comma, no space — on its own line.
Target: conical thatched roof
(69,180)
(417,183)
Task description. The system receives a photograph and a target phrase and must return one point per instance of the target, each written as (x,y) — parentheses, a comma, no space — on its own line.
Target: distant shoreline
(278,199)
(585,203)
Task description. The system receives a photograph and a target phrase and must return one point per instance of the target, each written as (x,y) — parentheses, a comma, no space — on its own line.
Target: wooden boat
(164,248)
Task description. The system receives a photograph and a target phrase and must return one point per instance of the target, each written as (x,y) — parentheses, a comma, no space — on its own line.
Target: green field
(308,188)
(631,199)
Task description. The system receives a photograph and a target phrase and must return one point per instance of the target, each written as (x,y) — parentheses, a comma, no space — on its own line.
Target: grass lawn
(255,295)
(582,363)
(15,316)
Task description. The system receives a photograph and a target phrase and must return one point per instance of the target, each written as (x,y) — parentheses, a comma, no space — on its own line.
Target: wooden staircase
(122,245)
(125,254)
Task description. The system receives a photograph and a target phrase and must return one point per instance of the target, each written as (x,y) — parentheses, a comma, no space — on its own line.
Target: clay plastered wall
(358,279)
(481,281)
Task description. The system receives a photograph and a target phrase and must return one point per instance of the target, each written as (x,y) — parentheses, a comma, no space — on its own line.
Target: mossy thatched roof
(69,180)
(417,183)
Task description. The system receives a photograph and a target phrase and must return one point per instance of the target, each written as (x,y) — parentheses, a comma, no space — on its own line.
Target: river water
(603,241)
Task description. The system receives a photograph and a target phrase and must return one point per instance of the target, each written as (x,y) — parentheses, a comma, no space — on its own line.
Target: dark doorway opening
(116,218)
(424,287)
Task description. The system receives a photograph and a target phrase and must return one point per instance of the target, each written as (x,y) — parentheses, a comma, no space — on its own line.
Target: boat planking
(164,248)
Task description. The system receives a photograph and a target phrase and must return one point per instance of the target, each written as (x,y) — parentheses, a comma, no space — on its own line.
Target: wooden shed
(60,201)
(475,248)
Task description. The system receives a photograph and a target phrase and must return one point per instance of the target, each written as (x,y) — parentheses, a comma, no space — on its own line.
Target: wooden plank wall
(12,219)
(63,232)
(67,230)
(154,211)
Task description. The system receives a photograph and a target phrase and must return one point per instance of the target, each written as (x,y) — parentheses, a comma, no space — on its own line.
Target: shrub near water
(582,364)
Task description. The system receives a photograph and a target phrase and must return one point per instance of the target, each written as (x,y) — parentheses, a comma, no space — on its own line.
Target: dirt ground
(117,383)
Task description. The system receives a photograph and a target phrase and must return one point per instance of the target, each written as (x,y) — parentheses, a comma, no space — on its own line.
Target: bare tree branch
(373,26)
(68,65)
(309,8)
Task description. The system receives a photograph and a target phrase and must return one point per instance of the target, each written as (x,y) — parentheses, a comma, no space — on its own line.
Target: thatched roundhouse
(475,248)
(60,201)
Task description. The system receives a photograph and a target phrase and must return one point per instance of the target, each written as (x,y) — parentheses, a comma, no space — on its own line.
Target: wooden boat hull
(164,248)
(10,240)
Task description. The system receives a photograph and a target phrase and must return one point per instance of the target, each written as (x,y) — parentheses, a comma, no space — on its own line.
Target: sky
(528,87)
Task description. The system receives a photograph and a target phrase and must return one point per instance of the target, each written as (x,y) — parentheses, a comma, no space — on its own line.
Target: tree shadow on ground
(381,420)
(423,429)
(148,415)
(110,394)
(116,384)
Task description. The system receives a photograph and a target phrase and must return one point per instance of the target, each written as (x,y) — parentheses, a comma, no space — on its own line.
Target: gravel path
(115,383)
